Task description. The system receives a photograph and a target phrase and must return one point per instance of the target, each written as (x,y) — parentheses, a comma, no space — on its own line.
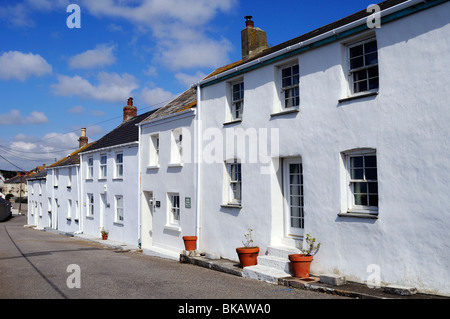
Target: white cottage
(37,214)
(168,177)
(346,138)
(110,181)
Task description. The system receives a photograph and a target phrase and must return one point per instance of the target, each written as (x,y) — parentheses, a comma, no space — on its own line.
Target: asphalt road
(44,265)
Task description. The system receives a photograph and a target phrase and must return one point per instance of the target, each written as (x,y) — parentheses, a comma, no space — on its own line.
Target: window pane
(361,199)
(373,200)
(296,201)
(356,51)
(357,173)
(370,161)
(370,47)
(295,190)
(360,188)
(360,86)
(371,58)
(373,188)
(356,62)
(119,158)
(371,173)
(356,161)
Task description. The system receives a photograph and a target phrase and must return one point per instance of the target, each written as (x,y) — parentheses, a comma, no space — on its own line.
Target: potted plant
(190,242)
(301,263)
(248,255)
(104,233)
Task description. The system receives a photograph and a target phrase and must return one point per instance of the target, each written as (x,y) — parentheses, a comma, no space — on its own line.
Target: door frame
(289,231)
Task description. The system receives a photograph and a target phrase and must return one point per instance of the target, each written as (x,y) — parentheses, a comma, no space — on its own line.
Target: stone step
(275,262)
(281,251)
(264,273)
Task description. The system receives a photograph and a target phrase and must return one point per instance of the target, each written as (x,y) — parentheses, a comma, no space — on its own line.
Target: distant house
(168,176)
(54,193)
(17,186)
(110,181)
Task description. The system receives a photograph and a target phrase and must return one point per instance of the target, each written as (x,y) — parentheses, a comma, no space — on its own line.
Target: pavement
(346,289)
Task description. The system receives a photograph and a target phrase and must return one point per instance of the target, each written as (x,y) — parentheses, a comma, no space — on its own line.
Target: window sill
(360,213)
(358,96)
(118,222)
(89,179)
(152,166)
(238,206)
(287,111)
(118,179)
(233,122)
(102,179)
(175,165)
(173,228)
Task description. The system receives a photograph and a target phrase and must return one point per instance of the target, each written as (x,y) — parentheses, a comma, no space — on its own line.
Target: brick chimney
(254,40)
(83,140)
(129,111)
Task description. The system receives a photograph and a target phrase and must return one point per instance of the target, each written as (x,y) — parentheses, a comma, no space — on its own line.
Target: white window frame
(69,209)
(103,166)
(154,144)
(90,168)
(90,205)
(40,209)
(237,100)
(118,171)
(55,177)
(119,217)
(351,181)
(176,147)
(289,88)
(69,177)
(352,71)
(234,182)
(174,207)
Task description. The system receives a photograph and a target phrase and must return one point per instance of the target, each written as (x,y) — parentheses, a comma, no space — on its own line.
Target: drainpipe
(199,161)
(80,196)
(139,187)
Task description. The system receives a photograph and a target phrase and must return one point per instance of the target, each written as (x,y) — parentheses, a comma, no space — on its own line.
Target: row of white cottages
(341,133)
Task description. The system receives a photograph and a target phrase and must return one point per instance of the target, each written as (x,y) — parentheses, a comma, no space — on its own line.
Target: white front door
(293,197)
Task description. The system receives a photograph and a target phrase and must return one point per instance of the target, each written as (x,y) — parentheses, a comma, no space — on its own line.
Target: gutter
(198,171)
(387,15)
(135,143)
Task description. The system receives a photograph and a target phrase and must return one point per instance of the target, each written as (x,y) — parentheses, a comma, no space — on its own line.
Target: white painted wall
(125,231)
(164,178)
(35,199)
(407,124)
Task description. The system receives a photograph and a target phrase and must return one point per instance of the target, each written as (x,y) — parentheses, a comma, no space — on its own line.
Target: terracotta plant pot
(190,242)
(105,237)
(300,265)
(248,256)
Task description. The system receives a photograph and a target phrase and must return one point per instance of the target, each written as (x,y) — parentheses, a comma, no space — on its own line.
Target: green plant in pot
(301,263)
(248,254)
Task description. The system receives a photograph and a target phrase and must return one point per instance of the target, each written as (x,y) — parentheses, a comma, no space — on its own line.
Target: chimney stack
(254,40)
(129,111)
(83,140)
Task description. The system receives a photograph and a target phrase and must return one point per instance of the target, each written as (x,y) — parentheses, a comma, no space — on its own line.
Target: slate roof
(184,101)
(339,23)
(124,133)
(71,159)
(41,175)
(17,180)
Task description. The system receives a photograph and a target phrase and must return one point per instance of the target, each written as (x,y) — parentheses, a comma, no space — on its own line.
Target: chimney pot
(83,140)
(254,40)
(129,111)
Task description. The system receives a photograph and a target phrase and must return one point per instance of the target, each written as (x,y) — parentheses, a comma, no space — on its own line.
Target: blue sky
(54,80)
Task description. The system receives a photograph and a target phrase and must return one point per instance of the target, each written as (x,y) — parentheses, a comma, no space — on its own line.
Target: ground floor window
(174,208)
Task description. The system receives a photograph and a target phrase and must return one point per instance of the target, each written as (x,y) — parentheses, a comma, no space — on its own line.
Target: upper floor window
(90,167)
(363,66)
(290,91)
(69,177)
(237,100)
(119,165)
(56,177)
(103,165)
(176,146)
(154,150)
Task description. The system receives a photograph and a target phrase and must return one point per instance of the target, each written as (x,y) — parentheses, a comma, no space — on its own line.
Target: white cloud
(101,56)
(21,66)
(188,80)
(179,27)
(156,96)
(111,87)
(76,110)
(14,117)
